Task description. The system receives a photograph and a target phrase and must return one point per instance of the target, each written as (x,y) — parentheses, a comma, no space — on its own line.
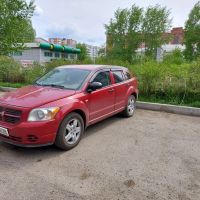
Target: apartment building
(92,51)
(63,41)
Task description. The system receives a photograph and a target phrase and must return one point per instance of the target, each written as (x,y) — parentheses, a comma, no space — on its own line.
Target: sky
(83,20)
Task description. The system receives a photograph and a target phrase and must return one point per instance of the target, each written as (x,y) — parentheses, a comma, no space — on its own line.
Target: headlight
(43,114)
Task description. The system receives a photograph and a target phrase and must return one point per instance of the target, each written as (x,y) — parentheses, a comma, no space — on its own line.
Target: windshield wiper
(57,86)
(51,85)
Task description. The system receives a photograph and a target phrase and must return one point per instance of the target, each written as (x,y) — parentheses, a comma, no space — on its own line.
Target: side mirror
(94,86)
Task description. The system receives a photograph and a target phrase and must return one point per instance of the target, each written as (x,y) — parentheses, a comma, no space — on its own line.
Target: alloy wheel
(131,105)
(73,131)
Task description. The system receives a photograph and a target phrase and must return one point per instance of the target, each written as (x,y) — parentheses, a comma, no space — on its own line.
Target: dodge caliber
(59,106)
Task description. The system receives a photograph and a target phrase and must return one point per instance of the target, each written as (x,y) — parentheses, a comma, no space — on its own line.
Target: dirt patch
(129,183)
(84,176)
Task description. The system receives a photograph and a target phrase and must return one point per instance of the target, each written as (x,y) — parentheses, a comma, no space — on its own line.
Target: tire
(130,108)
(70,131)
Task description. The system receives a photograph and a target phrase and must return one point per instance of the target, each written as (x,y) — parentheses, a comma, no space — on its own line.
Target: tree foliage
(123,33)
(15,25)
(131,27)
(192,31)
(156,21)
(84,53)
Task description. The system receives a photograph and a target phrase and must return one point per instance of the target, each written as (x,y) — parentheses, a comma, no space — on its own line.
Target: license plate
(4,131)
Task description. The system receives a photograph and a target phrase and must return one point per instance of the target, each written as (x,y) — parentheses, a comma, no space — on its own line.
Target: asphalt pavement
(151,156)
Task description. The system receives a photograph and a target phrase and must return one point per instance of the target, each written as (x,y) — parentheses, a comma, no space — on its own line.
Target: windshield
(65,78)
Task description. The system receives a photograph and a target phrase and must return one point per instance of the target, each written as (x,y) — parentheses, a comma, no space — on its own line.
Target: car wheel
(130,108)
(70,132)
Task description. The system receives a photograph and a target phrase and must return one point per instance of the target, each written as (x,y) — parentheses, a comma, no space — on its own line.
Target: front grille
(13,112)
(32,138)
(10,115)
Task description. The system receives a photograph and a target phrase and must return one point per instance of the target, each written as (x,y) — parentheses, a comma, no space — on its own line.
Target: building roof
(59,48)
(53,47)
(32,45)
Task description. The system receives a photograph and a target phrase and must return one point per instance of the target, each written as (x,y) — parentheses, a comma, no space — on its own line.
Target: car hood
(34,96)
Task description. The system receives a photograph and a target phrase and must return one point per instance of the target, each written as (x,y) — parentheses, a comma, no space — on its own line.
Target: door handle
(111,90)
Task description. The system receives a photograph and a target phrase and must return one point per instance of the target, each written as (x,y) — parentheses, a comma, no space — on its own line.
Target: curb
(181,110)
(7,89)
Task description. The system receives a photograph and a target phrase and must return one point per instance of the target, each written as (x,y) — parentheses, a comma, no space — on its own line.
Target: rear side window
(127,75)
(118,76)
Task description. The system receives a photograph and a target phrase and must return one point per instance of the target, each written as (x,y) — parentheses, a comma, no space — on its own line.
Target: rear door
(120,88)
(101,102)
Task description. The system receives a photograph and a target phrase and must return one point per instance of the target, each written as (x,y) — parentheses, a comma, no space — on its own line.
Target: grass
(152,99)
(173,81)
(12,85)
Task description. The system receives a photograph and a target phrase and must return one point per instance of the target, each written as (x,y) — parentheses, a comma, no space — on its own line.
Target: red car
(63,103)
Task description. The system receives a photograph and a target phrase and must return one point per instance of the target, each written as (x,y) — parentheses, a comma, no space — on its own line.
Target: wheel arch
(135,95)
(132,91)
(81,113)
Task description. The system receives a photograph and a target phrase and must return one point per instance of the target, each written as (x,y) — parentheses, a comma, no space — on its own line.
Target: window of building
(118,76)
(19,53)
(72,56)
(64,55)
(103,78)
(57,55)
(48,54)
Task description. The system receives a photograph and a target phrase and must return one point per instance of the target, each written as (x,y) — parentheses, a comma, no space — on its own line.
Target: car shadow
(93,129)
(42,153)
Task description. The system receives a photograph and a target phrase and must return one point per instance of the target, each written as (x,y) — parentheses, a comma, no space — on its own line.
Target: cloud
(83,20)
(72,30)
(38,11)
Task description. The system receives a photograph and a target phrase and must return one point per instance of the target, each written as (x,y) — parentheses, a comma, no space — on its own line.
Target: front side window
(65,78)
(103,78)
(118,76)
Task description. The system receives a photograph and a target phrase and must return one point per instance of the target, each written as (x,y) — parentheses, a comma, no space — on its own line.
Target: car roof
(93,67)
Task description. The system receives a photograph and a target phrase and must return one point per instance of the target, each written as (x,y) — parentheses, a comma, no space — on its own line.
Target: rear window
(118,76)
(127,75)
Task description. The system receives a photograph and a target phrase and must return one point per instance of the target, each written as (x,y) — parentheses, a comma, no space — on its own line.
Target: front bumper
(31,134)
(2,139)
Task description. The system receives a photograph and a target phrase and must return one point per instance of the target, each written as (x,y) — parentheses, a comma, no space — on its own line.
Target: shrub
(149,75)
(175,57)
(10,70)
(56,63)
(168,81)
(33,73)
